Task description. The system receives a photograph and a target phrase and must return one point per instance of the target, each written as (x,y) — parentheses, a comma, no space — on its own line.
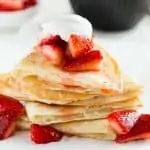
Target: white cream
(31,33)
(67,25)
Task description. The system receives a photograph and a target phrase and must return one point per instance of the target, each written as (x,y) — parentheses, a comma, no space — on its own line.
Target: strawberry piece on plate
(123,121)
(10,104)
(140,131)
(10,112)
(88,62)
(44,134)
(79,45)
(50,40)
(8,121)
(53,53)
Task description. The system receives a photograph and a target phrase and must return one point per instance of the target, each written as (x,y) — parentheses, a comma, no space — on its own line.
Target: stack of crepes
(74,98)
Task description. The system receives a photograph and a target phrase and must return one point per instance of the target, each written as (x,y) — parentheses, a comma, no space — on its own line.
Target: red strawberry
(10,111)
(50,40)
(8,122)
(53,53)
(44,134)
(11,5)
(54,40)
(11,104)
(88,62)
(28,3)
(123,121)
(79,45)
(140,131)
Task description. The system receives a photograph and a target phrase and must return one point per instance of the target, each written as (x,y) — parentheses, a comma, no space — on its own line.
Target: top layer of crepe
(106,81)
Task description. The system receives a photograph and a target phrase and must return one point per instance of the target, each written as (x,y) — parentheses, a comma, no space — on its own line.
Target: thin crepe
(32,88)
(131,90)
(50,114)
(98,129)
(107,81)
(100,136)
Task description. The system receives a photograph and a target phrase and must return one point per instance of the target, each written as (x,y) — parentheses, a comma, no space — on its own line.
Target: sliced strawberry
(54,40)
(79,45)
(8,122)
(123,121)
(88,62)
(44,134)
(11,4)
(28,3)
(53,53)
(11,104)
(140,131)
(68,54)
(50,40)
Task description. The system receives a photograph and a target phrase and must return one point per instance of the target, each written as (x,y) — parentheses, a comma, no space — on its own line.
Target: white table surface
(130,48)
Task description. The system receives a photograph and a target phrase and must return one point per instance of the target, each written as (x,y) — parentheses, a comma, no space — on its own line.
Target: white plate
(131,49)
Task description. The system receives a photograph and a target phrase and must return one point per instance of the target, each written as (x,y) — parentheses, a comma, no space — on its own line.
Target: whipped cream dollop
(32,32)
(67,25)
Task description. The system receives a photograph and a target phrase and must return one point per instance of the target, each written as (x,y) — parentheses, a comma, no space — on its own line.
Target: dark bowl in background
(112,14)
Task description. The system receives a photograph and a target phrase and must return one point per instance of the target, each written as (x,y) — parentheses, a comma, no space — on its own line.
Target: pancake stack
(75,103)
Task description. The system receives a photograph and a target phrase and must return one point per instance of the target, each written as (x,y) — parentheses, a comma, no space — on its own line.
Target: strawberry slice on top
(76,55)
(44,134)
(53,53)
(123,121)
(54,49)
(140,131)
(79,45)
(50,40)
(88,62)
(53,40)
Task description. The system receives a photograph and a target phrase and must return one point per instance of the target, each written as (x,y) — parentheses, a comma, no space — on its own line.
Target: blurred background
(118,24)
(129,17)
(106,15)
